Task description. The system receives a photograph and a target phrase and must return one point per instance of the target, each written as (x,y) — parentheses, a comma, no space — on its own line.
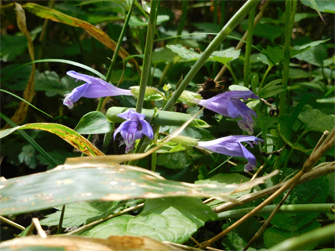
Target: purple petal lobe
(94,88)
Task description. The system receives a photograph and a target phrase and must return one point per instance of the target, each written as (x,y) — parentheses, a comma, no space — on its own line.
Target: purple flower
(232,146)
(229,104)
(93,88)
(133,128)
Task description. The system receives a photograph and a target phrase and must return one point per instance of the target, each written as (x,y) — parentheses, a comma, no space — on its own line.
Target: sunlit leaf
(67,134)
(321,5)
(85,182)
(93,123)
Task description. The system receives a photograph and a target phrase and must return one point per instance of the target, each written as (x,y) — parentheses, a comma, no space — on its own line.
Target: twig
(12,223)
(318,171)
(39,228)
(79,229)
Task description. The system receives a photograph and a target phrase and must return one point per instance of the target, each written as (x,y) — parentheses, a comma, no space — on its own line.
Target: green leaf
(226,179)
(315,55)
(168,219)
(222,57)
(321,5)
(265,30)
(163,55)
(301,48)
(79,213)
(271,89)
(89,182)
(188,97)
(315,120)
(273,56)
(176,160)
(93,123)
(12,46)
(28,156)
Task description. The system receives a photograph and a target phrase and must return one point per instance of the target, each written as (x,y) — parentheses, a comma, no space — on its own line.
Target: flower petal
(75,95)
(147,129)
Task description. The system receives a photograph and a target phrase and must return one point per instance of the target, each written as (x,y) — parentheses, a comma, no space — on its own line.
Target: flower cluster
(133,128)
(227,104)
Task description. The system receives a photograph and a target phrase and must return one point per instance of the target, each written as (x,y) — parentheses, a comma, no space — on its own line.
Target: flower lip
(232,146)
(93,88)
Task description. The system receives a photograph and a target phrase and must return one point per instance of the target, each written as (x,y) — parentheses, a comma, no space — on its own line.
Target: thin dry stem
(39,228)
(12,223)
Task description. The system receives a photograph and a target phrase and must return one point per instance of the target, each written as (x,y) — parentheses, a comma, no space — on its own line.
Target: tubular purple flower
(93,88)
(229,104)
(133,128)
(232,146)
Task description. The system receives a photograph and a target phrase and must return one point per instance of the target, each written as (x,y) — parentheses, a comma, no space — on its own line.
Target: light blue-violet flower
(229,104)
(93,88)
(133,128)
(232,146)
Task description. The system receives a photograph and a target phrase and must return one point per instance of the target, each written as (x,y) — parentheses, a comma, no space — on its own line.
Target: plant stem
(12,223)
(233,22)
(286,209)
(118,45)
(248,47)
(147,55)
(299,243)
(264,77)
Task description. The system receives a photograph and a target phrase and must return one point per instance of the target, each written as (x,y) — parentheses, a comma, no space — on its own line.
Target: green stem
(107,139)
(118,45)
(147,55)
(289,22)
(59,230)
(248,47)
(285,209)
(232,73)
(233,22)
(264,77)
(318,235)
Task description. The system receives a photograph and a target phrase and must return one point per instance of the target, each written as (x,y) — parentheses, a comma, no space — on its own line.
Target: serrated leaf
(222,57)
(78,213)
(85,182)
(314,191)
(168,219)
(93,123)
(177,160)
(67,134)
(315,120)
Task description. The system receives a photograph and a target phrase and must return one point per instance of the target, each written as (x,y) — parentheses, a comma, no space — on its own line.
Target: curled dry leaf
(79,243)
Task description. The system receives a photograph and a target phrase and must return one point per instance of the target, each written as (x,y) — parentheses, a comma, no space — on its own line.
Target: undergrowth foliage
(174,124)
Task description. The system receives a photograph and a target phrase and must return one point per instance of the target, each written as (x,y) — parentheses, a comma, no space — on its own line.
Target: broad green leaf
(315,55)
(162,55)
(176,160)
(93,123)
(269,31)
(271,89)
(222,57)
(161,117)
(80,213)
(273,56)
(301,48)
(226,179)
(47,13)
(167,219)
(12,46)
(321,5)
(315,120)
(92,182)
(136,21)
(67,134)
